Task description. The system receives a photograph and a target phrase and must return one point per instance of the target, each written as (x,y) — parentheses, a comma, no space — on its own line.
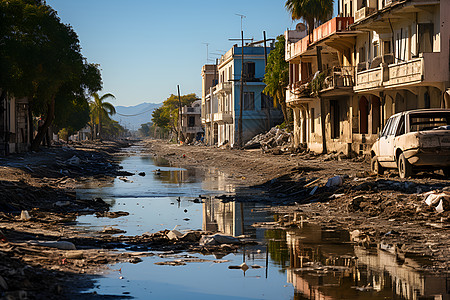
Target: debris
(174,235)
(242,266)
(218,239)
(141,174)
(313,191)
(74,160)
(112,230)
(62,245)
(440,201)
(334,181)
(24,215)
(275,137)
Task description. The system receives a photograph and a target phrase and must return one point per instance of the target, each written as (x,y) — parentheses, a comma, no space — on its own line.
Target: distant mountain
(131,117)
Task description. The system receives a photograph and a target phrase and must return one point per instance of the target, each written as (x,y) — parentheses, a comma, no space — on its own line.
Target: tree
(311,11)
(40,58)
(101,110)
(276,77)
(166,116)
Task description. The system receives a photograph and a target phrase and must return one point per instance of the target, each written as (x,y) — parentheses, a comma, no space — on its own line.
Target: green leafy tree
(167,115)
(276,77)
(40,58)
(145,129)
(101,110)
(312,11)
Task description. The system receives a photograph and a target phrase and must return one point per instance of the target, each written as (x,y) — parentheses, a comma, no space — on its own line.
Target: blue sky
(145,47)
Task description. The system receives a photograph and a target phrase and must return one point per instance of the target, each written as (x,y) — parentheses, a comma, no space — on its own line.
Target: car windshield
(429,121)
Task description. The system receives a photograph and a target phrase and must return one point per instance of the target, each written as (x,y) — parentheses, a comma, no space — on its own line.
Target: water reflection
(324,265)
(305,262)
(233,218)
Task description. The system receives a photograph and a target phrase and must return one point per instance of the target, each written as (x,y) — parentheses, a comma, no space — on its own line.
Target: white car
(414,140)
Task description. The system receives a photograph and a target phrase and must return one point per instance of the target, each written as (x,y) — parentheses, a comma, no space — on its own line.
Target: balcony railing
(224,116)
(224,87)
(339,77)
(337,24)
(369,79)
(363,13)
(405,72)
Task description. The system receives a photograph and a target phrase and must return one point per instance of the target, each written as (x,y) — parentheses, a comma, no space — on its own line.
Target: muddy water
(309,262)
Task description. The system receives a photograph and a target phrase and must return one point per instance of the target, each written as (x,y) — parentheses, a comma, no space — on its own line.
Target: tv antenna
(207,52)
(242,17)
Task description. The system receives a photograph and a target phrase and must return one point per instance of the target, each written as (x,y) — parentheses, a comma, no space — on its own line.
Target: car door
(386,141)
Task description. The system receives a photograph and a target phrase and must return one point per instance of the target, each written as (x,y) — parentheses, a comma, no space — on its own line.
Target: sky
(145,48)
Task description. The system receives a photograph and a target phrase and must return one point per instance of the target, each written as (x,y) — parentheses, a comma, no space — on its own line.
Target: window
(249,70)
(311,118)
(425,37)
(428,121)
(376,49)
(266,101)
(401,126)
(191,121)
(249,100)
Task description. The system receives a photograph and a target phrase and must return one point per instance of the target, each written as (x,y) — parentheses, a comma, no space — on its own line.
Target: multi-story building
(381,57)
(191,121)
(221,97)
(14,125)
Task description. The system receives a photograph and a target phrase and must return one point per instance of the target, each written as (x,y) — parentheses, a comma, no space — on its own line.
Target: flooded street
(305,262)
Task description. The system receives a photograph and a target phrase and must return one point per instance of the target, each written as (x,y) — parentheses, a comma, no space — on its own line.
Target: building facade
(14,124)
(221,97)
(191,122)
(377,58)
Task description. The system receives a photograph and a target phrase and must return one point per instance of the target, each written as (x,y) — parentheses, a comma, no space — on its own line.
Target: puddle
(310,262)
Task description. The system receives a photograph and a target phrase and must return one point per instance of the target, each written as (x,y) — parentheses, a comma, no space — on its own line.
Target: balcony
(225,117)
(405,73)
(338,78)
(224,87)
(191,110)
(369,79)
(363,13)
(335,25)
(192,129)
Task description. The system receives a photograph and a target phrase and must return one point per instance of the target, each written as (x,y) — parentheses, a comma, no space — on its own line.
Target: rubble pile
(274,138)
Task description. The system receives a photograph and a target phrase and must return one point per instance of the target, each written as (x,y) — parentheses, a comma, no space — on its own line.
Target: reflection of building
(14,125)
(324,265)
(217,180)
(232,218)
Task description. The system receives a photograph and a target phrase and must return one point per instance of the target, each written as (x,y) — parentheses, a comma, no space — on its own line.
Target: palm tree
(310,11)
(100,109)
(276,77)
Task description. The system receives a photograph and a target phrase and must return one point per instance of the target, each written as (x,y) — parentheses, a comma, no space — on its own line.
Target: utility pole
(180,117)
(241,98)
(265,96)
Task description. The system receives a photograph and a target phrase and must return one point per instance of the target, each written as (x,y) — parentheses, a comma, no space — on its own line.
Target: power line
(143,112)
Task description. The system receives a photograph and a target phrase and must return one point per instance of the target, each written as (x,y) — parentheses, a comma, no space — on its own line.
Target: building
(221,97)
(191,121)
(377,58)
(14,124)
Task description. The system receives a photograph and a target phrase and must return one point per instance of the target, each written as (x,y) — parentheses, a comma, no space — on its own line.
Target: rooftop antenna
(207,53)
(242,17)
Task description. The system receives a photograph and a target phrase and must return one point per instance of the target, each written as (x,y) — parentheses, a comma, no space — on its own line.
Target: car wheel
(376,167)
(404,167)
